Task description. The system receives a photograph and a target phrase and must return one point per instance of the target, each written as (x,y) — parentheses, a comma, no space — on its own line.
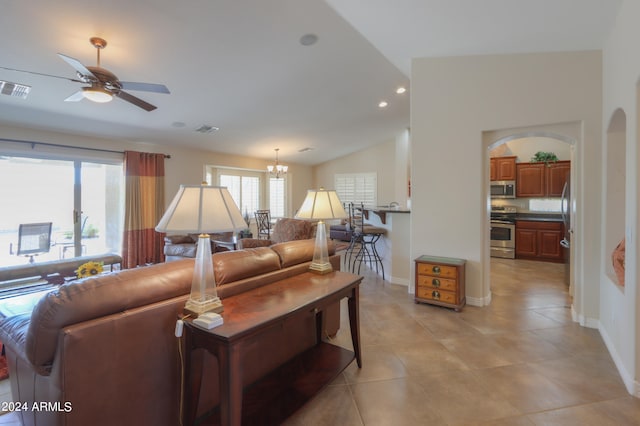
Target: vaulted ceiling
(240,65)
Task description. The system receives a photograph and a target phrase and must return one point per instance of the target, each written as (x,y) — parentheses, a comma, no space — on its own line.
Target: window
(83,199)
(277,197)
(252,190)
(357,188)
(545,205)
(245,191)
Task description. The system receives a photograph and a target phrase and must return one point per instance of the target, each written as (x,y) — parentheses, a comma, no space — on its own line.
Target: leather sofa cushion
(232,266)
(299,251)
(182,250)
(179,239)
(95,297)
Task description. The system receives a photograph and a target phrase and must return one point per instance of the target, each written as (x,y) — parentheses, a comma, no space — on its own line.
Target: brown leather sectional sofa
(102,351)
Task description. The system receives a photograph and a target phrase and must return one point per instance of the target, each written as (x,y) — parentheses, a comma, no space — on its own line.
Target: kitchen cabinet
(541,180)
(539,240)
(440,281)
(503,168)
(557,175)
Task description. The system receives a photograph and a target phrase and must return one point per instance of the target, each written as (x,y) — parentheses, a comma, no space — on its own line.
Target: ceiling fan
(103,84)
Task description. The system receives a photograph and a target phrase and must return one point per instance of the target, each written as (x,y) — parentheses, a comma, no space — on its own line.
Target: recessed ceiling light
(308,39)
(382,104)
(400,90)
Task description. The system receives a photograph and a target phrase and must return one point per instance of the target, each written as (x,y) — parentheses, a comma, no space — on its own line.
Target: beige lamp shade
(321,204)
(202,208)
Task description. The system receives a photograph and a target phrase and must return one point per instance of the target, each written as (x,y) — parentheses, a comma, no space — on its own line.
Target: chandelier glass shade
(277,170)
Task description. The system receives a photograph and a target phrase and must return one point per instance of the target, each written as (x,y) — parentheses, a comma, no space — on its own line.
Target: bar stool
(363,243)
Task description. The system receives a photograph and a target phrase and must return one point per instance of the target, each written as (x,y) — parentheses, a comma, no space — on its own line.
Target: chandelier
(278,170)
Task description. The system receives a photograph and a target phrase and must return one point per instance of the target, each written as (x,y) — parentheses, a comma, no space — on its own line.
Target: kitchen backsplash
(523,204)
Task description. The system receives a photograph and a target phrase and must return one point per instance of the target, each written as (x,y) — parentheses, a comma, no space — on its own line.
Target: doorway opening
(547,206)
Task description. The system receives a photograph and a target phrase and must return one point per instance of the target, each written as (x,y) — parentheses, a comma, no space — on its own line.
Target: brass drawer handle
(436,269)
(435,294)
(435,282)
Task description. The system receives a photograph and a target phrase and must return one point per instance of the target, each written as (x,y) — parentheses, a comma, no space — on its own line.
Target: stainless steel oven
(503,232)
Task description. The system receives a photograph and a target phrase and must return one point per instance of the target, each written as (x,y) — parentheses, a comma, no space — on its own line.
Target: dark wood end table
(251,312)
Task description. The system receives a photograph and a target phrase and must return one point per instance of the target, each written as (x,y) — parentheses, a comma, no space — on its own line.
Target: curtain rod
(34,143)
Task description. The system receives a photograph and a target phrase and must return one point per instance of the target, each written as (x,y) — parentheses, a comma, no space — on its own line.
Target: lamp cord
(181,357)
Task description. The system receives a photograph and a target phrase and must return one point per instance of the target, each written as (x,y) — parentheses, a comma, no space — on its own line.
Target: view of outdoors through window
(42,191)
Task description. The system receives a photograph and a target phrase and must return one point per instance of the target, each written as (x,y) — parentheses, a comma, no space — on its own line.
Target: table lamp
(202,209)
(321,204)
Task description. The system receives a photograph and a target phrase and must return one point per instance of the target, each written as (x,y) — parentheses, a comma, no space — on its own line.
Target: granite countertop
(382,211)
(539,217)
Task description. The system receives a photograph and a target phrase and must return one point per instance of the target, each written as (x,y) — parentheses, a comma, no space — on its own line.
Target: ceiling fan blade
(77,65)
(78,96)
(136,101)
(39,73)
(145,87)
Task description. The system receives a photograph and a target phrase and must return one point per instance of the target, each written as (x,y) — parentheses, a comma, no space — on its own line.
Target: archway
(561,138)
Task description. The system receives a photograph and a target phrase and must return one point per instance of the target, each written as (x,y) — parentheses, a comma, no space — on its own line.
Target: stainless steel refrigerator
(566,218)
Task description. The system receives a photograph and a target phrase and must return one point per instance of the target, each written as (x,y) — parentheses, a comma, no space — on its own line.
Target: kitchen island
(394,246)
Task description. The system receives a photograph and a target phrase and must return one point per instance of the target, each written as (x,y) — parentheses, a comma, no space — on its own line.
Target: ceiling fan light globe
(96,94)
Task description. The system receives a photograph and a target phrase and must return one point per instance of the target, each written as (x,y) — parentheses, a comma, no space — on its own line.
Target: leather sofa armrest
(178,239)
(13,333)
(246,243)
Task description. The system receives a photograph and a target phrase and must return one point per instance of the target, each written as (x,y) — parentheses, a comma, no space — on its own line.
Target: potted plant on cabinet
(544,157)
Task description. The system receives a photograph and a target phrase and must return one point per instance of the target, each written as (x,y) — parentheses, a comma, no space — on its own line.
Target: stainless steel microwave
(503,189)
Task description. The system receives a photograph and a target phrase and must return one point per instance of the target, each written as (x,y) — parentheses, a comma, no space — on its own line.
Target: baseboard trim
(633,386)
(400,281)
(584,321)
(479,301)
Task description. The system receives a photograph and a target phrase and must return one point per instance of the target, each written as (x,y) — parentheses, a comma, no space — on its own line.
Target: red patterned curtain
(144,206)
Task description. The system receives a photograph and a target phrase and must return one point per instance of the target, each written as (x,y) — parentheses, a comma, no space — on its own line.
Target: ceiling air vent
(14,89)
(207,129)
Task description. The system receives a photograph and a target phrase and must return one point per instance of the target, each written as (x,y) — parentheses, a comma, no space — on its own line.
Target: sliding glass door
(81,200)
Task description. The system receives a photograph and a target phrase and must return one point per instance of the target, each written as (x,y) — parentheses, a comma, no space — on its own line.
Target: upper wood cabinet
(541,180)
(503,168)
(530,180)
(557,175)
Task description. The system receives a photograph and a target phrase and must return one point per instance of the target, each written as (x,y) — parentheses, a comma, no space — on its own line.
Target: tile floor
(519,361)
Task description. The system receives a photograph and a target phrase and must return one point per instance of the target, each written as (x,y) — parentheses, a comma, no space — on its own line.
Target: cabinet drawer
(437,270)
(436,282)
(437,295)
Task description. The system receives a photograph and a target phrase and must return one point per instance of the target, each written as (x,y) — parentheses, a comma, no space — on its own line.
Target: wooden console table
(258,310)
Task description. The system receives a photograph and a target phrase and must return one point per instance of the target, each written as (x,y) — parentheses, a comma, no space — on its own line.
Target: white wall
(380,159)
(453,101)
(390,160)
(620,320)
